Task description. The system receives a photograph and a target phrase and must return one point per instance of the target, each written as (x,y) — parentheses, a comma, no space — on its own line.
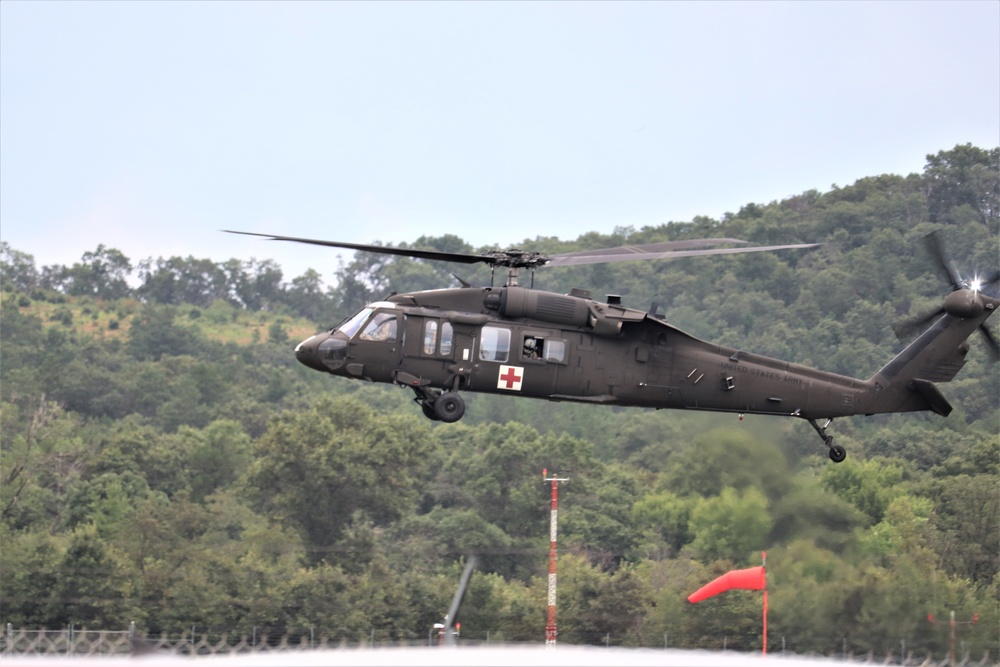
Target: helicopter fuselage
(526,342)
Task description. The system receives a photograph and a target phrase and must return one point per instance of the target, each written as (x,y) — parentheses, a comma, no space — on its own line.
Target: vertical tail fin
(907,382)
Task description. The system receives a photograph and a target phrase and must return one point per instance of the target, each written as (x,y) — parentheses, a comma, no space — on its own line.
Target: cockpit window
(382,327)
(351,326)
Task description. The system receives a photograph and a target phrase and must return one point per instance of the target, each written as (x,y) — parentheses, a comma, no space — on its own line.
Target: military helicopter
(570,347)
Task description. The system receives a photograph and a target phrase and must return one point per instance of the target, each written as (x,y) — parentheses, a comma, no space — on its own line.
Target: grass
(109,320)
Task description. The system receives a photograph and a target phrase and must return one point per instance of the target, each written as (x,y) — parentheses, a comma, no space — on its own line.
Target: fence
(83,642)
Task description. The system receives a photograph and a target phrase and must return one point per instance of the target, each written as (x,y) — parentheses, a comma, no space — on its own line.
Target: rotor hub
(964,303)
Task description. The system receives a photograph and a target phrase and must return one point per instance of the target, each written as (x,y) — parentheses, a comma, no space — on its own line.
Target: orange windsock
(751,579)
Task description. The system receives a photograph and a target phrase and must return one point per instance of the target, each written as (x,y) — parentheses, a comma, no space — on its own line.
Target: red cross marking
(511,378)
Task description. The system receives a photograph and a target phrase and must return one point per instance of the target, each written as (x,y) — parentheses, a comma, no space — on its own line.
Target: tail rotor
(964,300)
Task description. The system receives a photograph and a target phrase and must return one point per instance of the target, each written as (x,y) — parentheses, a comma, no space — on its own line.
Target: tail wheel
(837,453)
(449,407)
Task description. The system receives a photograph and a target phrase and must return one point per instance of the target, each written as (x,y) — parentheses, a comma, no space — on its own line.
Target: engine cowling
(545,306)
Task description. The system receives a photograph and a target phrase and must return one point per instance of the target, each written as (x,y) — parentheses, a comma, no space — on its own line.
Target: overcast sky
(149,126)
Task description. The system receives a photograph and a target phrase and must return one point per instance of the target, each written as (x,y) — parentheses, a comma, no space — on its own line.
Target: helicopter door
(375,352)
(428,343)
(518,361)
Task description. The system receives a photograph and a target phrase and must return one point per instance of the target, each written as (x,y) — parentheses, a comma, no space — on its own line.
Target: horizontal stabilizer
(930,393)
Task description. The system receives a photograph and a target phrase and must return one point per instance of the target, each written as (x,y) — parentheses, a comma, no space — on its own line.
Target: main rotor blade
(461,258)
(658,251)
(527,259)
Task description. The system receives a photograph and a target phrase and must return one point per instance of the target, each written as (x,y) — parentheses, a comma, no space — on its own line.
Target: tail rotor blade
(936,247)
(989,279)
(991,342)
(907,327)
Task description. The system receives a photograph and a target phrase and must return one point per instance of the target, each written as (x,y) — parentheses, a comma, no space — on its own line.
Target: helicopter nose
(305,352)
(322,352)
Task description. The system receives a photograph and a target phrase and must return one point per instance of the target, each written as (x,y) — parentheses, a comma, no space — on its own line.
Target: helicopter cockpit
(328,351)
(381,327)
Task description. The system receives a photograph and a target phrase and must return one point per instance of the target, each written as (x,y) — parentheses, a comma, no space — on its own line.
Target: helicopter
(512,339)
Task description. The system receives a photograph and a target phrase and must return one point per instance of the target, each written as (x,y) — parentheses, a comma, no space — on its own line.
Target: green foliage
(868,485)
(731,525)
(716,460)
(93,585)
(154,333)
(316,468)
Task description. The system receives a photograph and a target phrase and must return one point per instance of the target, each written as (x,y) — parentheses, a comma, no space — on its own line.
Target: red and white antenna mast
(550,625)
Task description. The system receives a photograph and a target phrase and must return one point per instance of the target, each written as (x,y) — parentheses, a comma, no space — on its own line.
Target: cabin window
(381,327)
(447,336)
(532,348)
(540,348)
(431,341)
(555,351)
(430,336)
(494,344)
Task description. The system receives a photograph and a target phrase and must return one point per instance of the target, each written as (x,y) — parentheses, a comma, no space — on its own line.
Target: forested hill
(166,461)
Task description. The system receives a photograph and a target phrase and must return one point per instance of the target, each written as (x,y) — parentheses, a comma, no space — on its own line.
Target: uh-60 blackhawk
(569,347)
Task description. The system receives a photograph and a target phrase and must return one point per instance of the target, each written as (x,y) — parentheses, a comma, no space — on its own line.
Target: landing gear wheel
(449,407)
(428,409)
(837,453)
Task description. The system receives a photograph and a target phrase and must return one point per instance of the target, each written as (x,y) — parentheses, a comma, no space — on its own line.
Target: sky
(150,126)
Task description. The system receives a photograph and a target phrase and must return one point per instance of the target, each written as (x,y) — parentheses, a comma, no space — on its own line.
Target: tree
(29,576)
(964,175)
(315,468)
(306,297)
(868,485)
(730,525)
(219,454)
(595,607)
(256,283)
(102,273)
(810,512)
(718,458)
(154,333)
(94,585)
(17,270)
(967,513)
(663,521)
(176,281)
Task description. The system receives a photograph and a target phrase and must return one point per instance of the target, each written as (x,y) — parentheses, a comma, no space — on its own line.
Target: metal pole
(951,640)
(951,651)
(550,625)
(456,601)
(763,558)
